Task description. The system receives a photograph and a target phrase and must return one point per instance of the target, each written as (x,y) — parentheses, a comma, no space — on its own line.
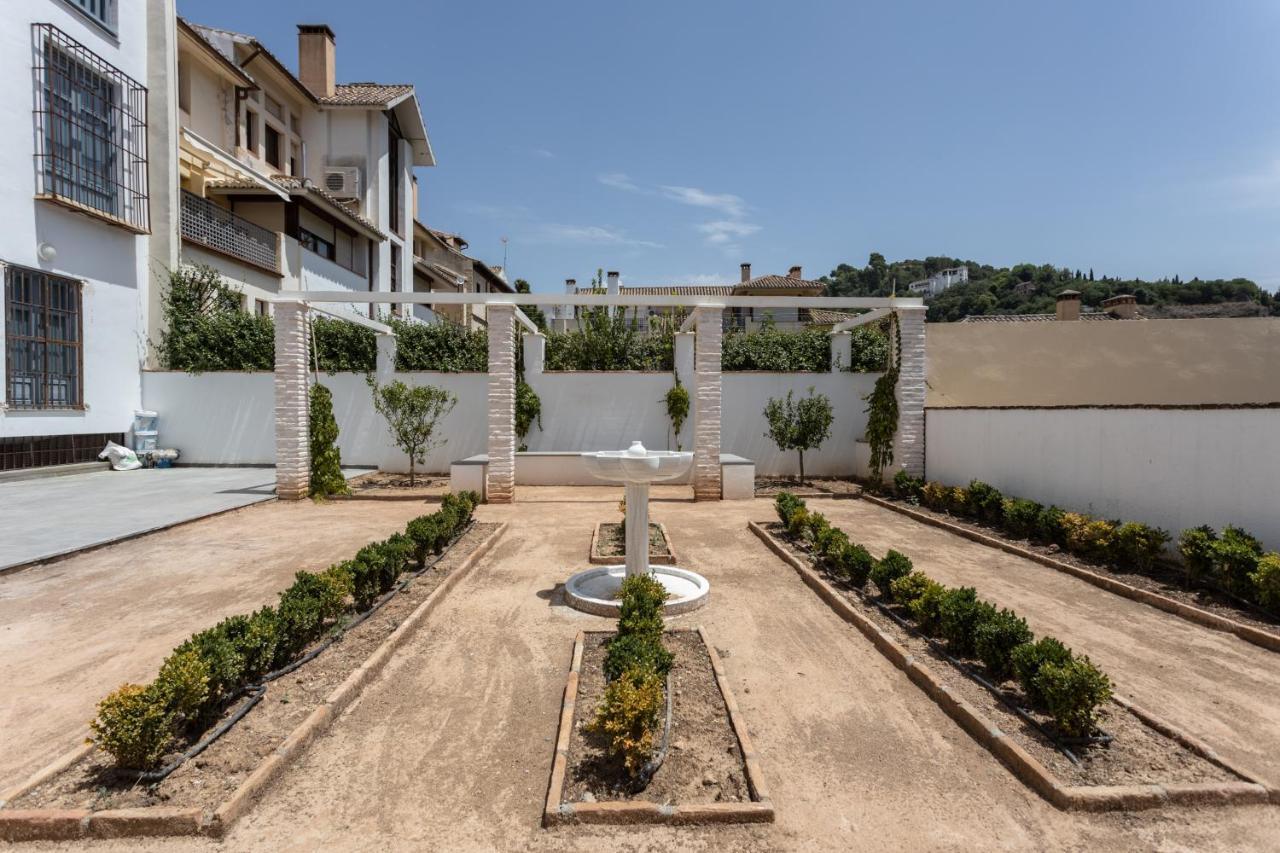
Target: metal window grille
(222,231)
(91,130)
(100,11)
(43,335)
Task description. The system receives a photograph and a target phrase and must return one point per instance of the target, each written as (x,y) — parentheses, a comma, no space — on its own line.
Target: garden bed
(384,485)
(212,788)
(709,774)
(1163,579)
(608,545)
(1147,763)
(813,487)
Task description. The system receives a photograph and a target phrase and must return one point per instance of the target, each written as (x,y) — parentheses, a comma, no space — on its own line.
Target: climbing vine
(677,401)
(528,410)
(882,409)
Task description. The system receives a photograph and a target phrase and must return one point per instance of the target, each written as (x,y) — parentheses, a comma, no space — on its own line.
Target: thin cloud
(727,203)
(618,181)
(722,232)
(591,235)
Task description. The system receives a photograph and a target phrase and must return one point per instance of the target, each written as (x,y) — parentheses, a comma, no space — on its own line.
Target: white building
(939,281)
(78,183)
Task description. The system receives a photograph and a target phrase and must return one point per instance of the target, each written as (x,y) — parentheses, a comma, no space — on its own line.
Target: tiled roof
(1032,318)
(779,282)
(366,94)
(764,282)
(297,187)
(823,317)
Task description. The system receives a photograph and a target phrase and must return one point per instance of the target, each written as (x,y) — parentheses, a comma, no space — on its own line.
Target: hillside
(1031,289)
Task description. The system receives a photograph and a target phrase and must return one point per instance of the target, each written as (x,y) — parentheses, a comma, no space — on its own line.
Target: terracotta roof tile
(1032,318)
(366,94)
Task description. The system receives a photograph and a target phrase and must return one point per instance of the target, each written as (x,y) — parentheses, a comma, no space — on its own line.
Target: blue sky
(671,141)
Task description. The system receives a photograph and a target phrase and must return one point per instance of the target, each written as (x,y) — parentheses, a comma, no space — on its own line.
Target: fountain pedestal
(596,589)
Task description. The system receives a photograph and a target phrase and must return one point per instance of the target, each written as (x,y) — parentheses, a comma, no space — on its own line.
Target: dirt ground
(450,748)
(72,631)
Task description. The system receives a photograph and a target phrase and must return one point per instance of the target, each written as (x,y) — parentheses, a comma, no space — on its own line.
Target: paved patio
(50,517)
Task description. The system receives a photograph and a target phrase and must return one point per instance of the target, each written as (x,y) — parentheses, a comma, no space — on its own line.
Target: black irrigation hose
(255,692)
(651,766)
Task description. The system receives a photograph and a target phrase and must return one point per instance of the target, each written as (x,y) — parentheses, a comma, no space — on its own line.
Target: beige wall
(1137,363)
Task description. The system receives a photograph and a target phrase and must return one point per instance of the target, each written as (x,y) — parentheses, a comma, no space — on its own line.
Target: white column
(684,357)
(386,364)
(535,354)
(709,330)
(500,486)
(841,350)
(908,442)
(637,540)
(292,410)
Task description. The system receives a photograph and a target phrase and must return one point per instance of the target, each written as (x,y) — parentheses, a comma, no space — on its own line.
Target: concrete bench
(567,468)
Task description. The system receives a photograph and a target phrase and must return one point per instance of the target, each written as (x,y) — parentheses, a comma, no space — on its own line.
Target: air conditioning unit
(342,181)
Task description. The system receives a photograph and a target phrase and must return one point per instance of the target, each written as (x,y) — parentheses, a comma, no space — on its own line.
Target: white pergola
(293,462)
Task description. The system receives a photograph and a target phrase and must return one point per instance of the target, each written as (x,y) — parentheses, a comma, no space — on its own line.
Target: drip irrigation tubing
(651,766)
(255,692)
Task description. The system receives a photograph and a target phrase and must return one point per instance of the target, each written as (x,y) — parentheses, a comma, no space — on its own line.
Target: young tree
(799,425)
(412,414)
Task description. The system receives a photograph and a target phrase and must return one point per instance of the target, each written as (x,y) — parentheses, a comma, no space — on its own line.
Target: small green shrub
(934,496)
(855,564)
(1029,658)
(630,715)
(643,597)
(785,504)
(1196,547)
(959,615)
(305,609)
(134,725)
(1072,693)
(907,486)
(908,588)
(258,644)
(817,526)
(995,639)
(830,546)
(1266,581)
(894,565)
(1137,544)
(926,609)
(632,651)
(984,502)
(326,460)
(1235,557)
(218,649)
(957,501)
(798,522)
(1049,526)
(183,683)
(1022,517)
(1088,536)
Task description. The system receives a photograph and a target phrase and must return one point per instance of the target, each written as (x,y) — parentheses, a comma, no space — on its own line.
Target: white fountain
(596,590)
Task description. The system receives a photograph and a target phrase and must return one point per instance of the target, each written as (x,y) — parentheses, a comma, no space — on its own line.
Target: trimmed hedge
(1068,688)
(137,724)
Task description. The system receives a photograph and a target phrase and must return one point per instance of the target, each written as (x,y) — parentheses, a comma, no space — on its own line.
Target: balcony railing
(220,230)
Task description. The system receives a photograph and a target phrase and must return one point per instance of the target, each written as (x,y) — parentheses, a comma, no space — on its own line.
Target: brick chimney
(1068,305)
(1123,306)
(612,278)
(746,271)
(794,272)
(316,59)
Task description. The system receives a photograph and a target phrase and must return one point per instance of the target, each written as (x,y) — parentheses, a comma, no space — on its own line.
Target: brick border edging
(1248,633)
(1023,765)
(595,558)
(63,824)
(759,810)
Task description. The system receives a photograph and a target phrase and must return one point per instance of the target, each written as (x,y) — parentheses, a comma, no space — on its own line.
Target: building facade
(80,190)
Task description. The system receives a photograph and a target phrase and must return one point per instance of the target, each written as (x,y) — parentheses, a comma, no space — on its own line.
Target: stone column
(293,410)
(908,443)
(709,329)
(500,485)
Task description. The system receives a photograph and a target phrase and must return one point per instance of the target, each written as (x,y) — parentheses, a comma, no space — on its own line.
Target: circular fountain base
(596,589)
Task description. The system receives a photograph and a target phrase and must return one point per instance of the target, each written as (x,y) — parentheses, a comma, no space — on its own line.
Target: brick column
(500,486)
(293,410)
(709,329)
(908,443)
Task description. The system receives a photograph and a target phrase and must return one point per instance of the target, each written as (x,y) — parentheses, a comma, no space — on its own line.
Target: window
(42,340)
(90,131)
(271,137)
(99,11)
(260,306)
(313,242)
(251,131)
(393,169)
(395,277)
(295,160)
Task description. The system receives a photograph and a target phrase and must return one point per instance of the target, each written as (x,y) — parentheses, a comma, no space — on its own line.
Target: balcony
(219,230)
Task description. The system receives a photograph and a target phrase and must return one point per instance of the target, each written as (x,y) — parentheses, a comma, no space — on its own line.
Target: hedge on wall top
(807,351)
(605,341)
(440,346)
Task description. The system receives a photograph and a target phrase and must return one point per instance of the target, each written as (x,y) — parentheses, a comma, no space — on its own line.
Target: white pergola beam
(380,328)
(599,299)
(861,320)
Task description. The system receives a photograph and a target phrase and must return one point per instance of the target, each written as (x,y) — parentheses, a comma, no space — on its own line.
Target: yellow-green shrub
(134,725)
(1086,535)
(630,715)
(1266,581)
(183,682)
(934,495)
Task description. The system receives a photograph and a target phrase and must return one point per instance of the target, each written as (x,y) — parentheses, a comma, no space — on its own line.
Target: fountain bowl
(596,589)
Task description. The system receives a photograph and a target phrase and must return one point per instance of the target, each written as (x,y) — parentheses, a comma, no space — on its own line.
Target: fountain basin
(595,590)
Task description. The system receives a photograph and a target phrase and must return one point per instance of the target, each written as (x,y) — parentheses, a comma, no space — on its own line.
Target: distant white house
(939,281)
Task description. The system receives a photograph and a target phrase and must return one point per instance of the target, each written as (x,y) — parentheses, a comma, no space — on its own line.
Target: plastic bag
(122,458)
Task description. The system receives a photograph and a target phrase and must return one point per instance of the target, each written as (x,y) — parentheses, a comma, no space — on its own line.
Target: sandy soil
(72,631)
(450,749)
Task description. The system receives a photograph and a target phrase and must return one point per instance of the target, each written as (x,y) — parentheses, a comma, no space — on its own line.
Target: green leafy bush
(326,460)
(818,527)
(257,645)
(1049,527)
(1235,557)
(224,666)
(1072,692)
(1138,544)
(770,348)
(984,502)
(926,609)
(304,611)
(677,402)
(205,328)
(643,597)
(632,651)
(786,503)
(856,564)
(528,410)
(798,522)
(134,725)
(959,615)
(1029,658)
(183,683)
(604,341)
(888,569)
(869,350)
(908,588)
(440,346)
(340,346)
(630,716)
(1196,547)
(995,639)
(1022,517)
(907,486)
(934,496)
(1088,536)
(1266,581)
(799,425)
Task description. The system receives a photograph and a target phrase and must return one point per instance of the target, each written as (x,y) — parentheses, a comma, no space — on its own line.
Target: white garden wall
(1175,468)
(227,418)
